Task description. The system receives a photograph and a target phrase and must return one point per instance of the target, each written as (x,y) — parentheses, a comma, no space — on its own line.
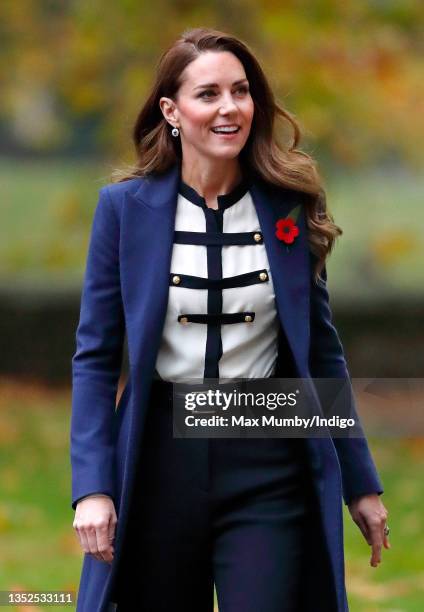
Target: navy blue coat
(125,290)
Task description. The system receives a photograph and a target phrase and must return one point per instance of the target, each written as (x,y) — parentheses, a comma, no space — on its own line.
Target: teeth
(230,130)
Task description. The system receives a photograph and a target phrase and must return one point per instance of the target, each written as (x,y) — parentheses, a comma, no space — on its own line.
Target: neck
(213,179)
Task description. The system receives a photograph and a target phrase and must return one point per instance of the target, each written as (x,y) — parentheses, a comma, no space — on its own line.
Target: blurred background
(73,75)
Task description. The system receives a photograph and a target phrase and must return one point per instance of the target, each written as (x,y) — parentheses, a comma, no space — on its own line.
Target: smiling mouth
(226,133)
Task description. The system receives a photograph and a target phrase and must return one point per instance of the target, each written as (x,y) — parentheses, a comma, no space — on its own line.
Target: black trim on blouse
(228,238)
(225,317)
(224,200)
(214,239)
(198,282)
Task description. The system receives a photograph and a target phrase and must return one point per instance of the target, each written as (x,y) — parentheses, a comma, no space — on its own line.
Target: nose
(227,104)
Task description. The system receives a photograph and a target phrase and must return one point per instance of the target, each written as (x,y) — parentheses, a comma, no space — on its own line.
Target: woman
(185,258)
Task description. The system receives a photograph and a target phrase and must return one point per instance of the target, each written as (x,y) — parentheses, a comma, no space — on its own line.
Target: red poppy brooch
(287,230)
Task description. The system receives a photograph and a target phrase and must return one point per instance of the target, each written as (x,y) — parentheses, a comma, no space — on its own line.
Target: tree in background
(74,73)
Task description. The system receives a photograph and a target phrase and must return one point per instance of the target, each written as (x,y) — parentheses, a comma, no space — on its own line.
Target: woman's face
(214,92)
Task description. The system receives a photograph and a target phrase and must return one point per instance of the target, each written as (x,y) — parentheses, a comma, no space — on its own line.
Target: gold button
(263,276)
(176,280)
(183,320)
(257,237)
(248,318)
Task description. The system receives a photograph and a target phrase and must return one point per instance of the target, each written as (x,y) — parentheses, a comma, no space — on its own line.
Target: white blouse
(229,285)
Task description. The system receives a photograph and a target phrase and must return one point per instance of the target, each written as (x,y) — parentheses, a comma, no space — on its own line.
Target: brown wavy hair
(264,155)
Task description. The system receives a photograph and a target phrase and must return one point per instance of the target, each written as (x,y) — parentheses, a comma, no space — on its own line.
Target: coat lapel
(289,265)
(148,230)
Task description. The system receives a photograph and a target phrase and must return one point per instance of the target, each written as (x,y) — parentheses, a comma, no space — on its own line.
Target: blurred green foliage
(47,211)
(75,73)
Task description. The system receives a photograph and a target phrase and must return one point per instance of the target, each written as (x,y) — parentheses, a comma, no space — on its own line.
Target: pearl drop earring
(175,132)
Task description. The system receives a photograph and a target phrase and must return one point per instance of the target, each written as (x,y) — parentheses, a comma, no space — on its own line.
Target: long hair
(264,155)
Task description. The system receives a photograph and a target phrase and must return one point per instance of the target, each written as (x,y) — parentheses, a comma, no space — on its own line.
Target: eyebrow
(216,84)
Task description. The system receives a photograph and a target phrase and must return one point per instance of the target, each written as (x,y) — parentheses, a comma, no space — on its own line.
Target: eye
(207,91)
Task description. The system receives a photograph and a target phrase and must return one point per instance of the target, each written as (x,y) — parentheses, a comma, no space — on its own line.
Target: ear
(169,110)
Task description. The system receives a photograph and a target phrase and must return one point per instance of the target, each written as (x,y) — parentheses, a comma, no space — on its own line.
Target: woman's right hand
(95,522)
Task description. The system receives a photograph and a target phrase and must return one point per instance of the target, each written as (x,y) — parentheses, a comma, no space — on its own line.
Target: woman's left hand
(369,513)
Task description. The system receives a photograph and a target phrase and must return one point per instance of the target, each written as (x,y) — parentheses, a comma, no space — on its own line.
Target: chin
(230,153)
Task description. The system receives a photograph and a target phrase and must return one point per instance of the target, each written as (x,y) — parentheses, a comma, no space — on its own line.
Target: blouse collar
(224,200)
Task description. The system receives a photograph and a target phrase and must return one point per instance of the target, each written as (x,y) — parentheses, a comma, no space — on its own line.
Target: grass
(40,550)
(47,210)
(379,253)
(396,585)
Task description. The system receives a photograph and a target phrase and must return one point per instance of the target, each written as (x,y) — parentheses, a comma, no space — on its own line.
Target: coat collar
(290,268)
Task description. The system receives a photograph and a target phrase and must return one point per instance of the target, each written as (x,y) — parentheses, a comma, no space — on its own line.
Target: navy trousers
(235,512)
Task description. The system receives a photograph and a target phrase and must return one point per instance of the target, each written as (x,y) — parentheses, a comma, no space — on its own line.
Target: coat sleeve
(96,364)
(327,360)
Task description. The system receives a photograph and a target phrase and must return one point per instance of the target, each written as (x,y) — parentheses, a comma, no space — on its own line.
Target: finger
(83,540)
(112,528)
(376,543)
(376,555)
(364,529)
(384,536)
(103,544)
(92,542)
(111,536)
